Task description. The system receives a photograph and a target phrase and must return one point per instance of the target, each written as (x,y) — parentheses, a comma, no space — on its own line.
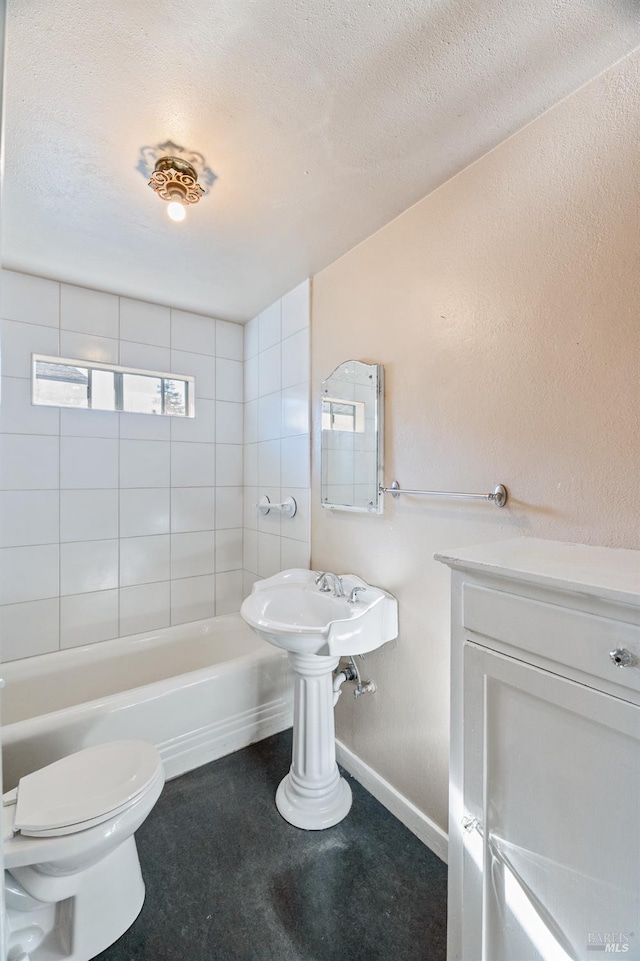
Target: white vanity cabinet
(544,820)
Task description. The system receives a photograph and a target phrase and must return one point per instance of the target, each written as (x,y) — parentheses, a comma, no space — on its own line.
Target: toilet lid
(85,787)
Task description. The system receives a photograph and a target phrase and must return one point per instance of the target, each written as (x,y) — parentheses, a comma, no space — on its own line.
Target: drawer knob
(621,657)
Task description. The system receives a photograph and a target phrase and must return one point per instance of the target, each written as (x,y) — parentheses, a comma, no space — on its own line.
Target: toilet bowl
(72,876)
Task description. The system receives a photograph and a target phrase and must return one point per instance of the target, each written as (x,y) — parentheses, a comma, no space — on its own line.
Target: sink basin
(289,611)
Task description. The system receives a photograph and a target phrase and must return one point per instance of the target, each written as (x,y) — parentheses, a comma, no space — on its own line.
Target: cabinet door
(552,776)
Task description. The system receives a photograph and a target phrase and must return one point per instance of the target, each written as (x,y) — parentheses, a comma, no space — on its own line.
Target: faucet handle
(354,594)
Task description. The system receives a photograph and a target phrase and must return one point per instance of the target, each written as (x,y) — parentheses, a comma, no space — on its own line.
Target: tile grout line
(109,590)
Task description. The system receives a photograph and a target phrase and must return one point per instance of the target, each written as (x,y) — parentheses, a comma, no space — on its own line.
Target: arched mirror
(352,437)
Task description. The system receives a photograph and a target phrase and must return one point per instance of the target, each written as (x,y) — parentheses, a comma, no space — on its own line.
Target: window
(59,382)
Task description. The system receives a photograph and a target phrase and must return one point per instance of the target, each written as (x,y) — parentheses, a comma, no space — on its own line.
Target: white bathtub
(197,691)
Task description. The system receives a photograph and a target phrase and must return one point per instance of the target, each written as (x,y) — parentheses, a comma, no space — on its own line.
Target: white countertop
(606,572)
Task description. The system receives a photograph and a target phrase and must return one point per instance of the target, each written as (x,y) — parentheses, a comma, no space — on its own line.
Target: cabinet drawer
(568,642)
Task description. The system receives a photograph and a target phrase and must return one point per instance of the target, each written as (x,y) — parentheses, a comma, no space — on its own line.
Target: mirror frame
(377,507)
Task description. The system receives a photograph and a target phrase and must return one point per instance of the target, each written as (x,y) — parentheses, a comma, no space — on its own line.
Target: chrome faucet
(353,597)
(325,579)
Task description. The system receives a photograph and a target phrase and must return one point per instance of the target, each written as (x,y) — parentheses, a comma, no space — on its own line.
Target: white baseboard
(412,817)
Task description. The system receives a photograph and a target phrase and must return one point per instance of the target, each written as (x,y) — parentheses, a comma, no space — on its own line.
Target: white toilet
(72,875)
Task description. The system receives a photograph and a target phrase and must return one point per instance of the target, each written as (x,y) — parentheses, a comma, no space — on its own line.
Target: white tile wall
(89,311)
(144,560)
(19,416)
(229,550)
(29,517)
(196,430)
(229,380)
(192,509)
(252,339)
(29,462)
(143,427)
(146,356)
(295,410)
(145,511)
(30,300)
(145,607)
(269,463)
(192,465)
(229,507)
(88,515)
(270,416)
(88,462)
(20,340)
(295,358)
(102,349)
(228,591)
(295,310)
(193,554)
(28,573)
(229,340)
(87,566)
(192,598)
(270,327)
(145,463)
(37,620)
(276,435)
(86,618)
(116,523)
(229,465)
(200,367)
(192,332)
(293,554)
(270,370)
(145,323)
(88,423)
(229,418)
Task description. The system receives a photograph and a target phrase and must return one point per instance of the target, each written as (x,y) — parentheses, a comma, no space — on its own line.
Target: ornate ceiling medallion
(173,173)
(175,180)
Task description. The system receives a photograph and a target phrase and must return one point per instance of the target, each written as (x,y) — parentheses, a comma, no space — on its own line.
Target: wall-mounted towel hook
(288,506)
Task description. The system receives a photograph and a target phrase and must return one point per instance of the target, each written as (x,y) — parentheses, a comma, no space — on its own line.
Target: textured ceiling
(322,119)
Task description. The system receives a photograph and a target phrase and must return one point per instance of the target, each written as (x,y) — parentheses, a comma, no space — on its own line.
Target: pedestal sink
(317,628)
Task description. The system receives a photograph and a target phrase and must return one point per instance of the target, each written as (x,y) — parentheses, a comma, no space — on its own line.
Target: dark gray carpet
(229,880)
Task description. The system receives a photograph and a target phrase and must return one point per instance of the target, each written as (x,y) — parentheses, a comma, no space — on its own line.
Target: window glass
(142,395)
(66,383)
(175,397)
(62,385)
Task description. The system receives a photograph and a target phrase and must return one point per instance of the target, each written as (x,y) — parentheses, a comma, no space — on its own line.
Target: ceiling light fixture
(176,181)
(176,211)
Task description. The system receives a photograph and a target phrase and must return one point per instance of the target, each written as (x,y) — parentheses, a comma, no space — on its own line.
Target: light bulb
(176,211)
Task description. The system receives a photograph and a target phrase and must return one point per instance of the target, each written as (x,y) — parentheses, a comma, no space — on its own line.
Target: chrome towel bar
(498,497)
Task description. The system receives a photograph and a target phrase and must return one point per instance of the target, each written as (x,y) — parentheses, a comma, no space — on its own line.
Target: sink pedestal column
(313,796)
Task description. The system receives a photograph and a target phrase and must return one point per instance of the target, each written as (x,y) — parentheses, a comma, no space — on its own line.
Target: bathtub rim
(162,635)
(131,695)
